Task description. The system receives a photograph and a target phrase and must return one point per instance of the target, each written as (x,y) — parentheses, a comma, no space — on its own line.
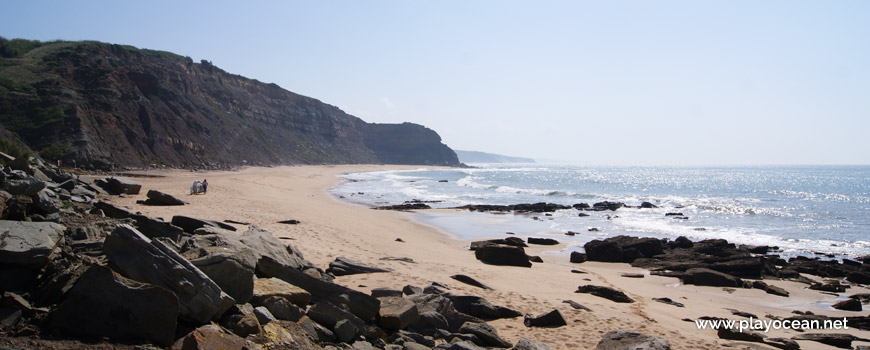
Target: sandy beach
(331,228)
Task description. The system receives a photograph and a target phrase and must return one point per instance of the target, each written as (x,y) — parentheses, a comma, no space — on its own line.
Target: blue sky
(604,82)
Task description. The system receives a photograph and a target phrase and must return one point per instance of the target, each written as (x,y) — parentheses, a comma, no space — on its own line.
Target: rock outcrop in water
(102,106)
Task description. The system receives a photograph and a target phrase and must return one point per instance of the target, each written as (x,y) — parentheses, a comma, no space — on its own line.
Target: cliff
(105,106)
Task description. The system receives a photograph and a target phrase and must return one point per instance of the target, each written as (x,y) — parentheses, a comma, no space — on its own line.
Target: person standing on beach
(204,186)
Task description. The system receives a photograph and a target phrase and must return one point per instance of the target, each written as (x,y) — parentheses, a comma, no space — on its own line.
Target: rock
(397,313)
(550,319)
(848,305)
(859,277)
(265,288)
(344,266)
(605,292)
(112,211)
(606,205)
(405,206)
(189,224)
(668,301)
(486,333)
(28,243)
(24,187)
(234,275)
(289,222)
(526,344)
(283,309)
(361,305)
(769,289)
(843,341)
(264,316)
(479,307)
(632,275)
(43,202)
(623,249)
(707,277)
(498,254)
(520,208)
(535,259)
(625,340)
(244,324)
(156,197)
(345,331)
(730,334)
(832,287)
(385,292)
(647,205)
(576,305)
(264,244)
(470,281)
(155,228)
(511,241)
(211,337)
(578,257)
(542,241)
(329,315)
(153,262)
(411,290)
(105,304)
(464,345)
(119,185)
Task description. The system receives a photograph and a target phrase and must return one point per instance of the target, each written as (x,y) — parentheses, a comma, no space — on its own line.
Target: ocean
(804,210)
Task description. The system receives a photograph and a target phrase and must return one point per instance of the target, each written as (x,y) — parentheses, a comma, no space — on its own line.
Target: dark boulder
(859,277)
(159,198)
(28,243)
(606,205)
(481,308)
(848,305)
(550,319)
(105,304)
(578,257)
(344,266)
(498,254)
(624,340)
(189,224)
(648,205)
(605,292)
(623,249)
(397,313)
(486,333)
(120,185)
(385,292)
(151,261)
(542,241)
(469,281)
(707,277)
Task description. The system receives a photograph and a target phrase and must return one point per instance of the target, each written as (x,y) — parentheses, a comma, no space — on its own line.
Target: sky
(586,82)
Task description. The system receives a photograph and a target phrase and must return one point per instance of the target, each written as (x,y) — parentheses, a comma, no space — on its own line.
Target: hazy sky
(590,82)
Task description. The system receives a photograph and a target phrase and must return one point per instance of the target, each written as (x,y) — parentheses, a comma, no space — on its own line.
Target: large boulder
(211,337)
(27,186)
(479,307)
(499,254)
(232,273)
(623,248)
(105,304)
(330,315)
(112,211)
(265,288)
(264,244)
(144,260)
(486,333)
(121,185)
(28,243)
(362,305)
(552,319)
(156,197)
(700,276)
(543,241)
(605,292)
(526,344)
(397,313)
(42,201)
(154,228)
(625,340)
(344,266)
(848,305)
(189,224)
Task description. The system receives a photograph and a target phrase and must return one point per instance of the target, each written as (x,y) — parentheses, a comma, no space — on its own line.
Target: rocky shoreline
(93,274)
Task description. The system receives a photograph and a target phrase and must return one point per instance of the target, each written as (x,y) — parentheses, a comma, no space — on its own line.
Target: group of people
(199,187)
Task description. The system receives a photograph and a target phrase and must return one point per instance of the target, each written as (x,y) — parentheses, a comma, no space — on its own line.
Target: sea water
(804,210)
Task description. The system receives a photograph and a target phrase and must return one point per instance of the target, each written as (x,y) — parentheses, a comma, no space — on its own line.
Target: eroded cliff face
(117,106)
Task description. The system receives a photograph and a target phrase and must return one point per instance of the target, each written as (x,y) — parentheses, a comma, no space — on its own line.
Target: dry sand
(333,228)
